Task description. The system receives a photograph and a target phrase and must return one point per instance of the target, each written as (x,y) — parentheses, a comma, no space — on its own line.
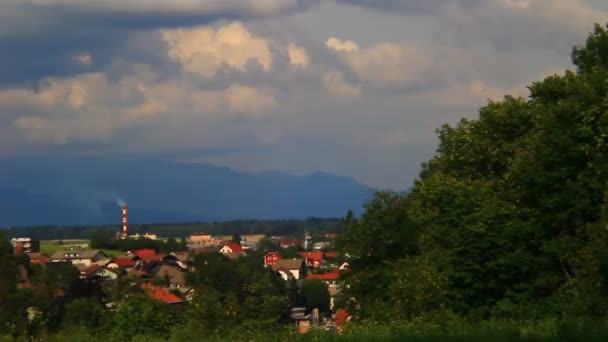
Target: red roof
(342,316)
(315,256)
(148,255)
(325,276)
(123,262)
(235,247)
(332,254)
(160,293)
(91,269)
(41,259)
(145,253)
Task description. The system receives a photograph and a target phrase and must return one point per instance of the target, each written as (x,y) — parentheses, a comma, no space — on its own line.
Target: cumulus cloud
(205,50)
(342,45)
(299,92)
(298,55)
(61,29)
(383,65)
(90,108)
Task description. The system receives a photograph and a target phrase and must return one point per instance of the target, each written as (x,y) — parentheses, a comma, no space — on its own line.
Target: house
(121,263)
(39,258)
(318,246)
(252,238)
(330,278)
(200,238)
(95,272)
(247,245)
(303,322)
(25,245)
(150,236)
(176,277)
(179,259)
(143,254)
(290,268)
(84,257)
(159,293)
(232,247)
(289,243)
(313,259)
(271,258)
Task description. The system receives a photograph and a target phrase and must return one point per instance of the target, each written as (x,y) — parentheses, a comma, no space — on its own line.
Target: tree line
(268,227)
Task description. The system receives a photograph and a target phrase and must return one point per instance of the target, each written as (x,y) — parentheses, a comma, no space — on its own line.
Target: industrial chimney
(125,230)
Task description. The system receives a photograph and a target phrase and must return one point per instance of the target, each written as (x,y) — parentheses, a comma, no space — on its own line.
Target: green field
(50,247)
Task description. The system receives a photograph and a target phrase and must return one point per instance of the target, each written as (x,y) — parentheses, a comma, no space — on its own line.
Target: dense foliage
(508,219)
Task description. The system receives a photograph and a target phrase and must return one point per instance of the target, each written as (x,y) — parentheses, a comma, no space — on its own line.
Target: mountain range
(89,191)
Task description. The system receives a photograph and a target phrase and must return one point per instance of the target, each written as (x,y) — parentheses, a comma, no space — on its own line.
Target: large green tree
(513,200)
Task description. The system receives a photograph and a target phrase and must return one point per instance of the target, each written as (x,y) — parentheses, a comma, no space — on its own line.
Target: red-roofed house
(144,254)
(231,247)
(271,258)
(313,259)
(330,278)
(124,263)
(39,258)
(99,272)
(160,293)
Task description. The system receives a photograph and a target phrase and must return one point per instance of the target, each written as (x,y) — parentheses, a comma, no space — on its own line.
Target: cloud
(263,84)
(383,65)
(205,50)
(336,84)
(413,6)
(342,45)
(298,55)
(62,29)
(152,13)
(90,108)
(507,24)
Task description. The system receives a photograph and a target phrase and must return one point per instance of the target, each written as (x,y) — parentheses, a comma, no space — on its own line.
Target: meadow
(51,247)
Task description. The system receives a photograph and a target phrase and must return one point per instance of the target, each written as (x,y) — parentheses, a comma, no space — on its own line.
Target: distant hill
(87,191)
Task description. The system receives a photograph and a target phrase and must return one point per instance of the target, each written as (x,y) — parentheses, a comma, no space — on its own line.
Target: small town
(299,262)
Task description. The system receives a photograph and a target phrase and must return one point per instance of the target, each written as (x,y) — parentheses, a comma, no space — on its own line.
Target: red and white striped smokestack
(125,229)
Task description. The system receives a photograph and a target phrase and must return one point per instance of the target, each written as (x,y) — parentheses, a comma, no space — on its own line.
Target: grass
(51,247)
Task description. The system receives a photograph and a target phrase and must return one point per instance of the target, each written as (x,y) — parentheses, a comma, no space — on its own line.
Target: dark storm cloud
(40,39)
(414,6)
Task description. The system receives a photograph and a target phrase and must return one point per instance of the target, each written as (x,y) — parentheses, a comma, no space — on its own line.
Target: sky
(352,87)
